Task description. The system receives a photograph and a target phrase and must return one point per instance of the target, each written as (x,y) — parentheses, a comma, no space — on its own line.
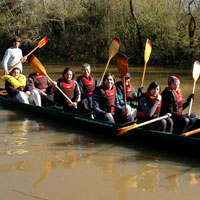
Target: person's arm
(120,96)
(185,105)
(168,104)
(149,111)
(187,102)
(96,82)
(11,90)
(80,83)
(5,61)
(134,94)
(118,107)
(96,101)
(30,84)
(77,93)
(58,97)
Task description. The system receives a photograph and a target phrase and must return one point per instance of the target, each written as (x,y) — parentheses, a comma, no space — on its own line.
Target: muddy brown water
(41,158)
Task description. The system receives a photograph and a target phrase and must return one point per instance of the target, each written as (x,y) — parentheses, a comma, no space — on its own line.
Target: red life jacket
(129,91)
(110,98)
(68,88)
(89,84)
(178,99)
(40,81)
(151,100)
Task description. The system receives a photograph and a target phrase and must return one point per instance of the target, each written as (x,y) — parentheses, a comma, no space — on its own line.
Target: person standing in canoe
(105,103)
(131,95)
(43,86)
(149,108)
(87,84)
(70,88)
(173,103)
(17,89)
(13,55)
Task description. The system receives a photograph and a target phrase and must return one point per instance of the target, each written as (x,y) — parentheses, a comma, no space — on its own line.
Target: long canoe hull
(149,137)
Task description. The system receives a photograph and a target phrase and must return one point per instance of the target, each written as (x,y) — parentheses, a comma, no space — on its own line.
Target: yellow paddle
(124,130)
(113,49)
(122,65)
(191,132)
(195,73)
(147,53)
(41,43)
(38,67)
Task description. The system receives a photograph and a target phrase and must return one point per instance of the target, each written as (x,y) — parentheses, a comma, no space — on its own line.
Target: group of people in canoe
(105,101)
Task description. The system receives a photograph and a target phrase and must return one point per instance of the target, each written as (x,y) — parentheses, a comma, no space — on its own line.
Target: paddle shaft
(128,128)
(192,132)
(190,108)
(105,69)
(145,66)
(151,121)
(124,86)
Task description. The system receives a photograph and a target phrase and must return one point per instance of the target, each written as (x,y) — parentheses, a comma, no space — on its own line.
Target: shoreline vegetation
(82,30)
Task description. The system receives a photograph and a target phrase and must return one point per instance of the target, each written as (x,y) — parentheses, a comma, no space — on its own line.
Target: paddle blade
(147,52)
(122,64)
(196,70)
(124,130)
(42,42)
(114,47)
(36,65)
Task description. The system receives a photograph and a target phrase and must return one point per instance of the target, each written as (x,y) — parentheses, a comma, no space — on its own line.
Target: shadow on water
(89,138)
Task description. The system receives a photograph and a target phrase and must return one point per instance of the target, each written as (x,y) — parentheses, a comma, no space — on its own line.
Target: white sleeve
(22,57)
(5,60)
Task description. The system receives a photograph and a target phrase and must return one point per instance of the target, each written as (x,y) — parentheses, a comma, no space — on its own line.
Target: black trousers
(163,125)
(184,124)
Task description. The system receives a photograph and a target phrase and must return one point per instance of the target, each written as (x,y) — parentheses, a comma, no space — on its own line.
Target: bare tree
(140,45)
(192,23)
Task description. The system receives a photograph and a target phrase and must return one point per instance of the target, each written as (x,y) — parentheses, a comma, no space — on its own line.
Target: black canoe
(156,138)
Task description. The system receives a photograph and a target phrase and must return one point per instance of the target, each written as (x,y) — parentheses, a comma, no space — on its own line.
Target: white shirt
(12,56)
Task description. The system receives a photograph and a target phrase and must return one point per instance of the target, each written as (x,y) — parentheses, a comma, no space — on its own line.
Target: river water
(43,158)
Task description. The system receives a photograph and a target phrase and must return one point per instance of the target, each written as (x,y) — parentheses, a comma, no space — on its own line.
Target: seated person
(105,103)
(17,88)
(87,85)
(70,88)
(131,95)
(41,84)
(149,108)
(173,103)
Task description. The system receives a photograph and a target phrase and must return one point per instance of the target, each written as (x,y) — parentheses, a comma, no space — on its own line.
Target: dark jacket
(130,101)
(169,103)
(100,104)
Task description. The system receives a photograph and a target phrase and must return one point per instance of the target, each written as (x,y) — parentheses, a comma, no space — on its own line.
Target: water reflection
(151,175)
(15,135)
(193,180)
(50,153)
